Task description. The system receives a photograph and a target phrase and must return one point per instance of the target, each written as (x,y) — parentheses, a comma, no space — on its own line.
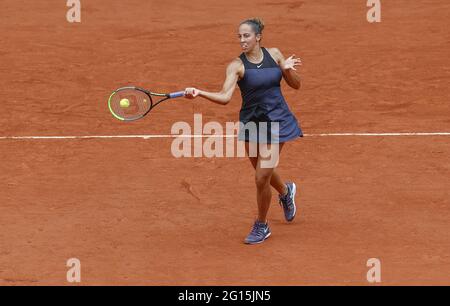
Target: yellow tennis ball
(124,103)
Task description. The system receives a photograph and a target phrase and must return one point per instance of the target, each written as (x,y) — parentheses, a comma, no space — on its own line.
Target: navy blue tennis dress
(263,104)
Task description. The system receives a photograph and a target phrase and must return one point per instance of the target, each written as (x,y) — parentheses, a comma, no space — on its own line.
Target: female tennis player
(258,72)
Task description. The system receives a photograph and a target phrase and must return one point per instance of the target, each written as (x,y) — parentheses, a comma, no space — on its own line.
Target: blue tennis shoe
(287,201)
(259,233)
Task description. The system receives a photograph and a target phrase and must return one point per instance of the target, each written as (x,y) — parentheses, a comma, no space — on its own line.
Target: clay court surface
(133,214)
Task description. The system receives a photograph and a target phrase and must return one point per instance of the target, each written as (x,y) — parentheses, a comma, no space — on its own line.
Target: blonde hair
(256,23)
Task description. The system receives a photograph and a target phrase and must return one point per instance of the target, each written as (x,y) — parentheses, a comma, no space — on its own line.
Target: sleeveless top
(262,99)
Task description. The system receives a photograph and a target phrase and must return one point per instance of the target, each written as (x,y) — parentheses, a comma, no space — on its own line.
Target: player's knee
(262,179)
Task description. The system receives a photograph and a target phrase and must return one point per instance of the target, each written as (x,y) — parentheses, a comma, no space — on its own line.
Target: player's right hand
(191,92)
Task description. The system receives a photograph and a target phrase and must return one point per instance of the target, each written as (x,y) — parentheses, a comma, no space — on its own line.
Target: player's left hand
(292,62)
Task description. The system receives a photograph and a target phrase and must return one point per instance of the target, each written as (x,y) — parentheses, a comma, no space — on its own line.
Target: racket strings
(130,104)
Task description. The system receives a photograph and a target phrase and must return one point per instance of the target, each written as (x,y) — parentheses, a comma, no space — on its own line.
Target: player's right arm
(223,96)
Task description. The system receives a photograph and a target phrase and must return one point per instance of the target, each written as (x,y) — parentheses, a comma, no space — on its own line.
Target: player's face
(247,37)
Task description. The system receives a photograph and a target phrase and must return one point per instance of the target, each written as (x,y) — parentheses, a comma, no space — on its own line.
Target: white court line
(220,136)
(382,134)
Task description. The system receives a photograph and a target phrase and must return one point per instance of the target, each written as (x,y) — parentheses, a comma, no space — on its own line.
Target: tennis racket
(133,103)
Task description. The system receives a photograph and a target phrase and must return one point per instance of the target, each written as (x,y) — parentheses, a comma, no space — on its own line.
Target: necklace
(262,56)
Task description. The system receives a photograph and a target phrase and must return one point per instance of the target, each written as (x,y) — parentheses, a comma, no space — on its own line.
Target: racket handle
(176,94)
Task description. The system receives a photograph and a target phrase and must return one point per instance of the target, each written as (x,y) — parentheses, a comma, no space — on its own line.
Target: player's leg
(263,190)
(261,230)
(275,181)
(263,179)
(265,176)
(287,199)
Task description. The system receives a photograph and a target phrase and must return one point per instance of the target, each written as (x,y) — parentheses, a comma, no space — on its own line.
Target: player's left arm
(287,66)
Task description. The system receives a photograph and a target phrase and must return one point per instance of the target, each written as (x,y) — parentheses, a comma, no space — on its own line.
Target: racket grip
(176,94)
